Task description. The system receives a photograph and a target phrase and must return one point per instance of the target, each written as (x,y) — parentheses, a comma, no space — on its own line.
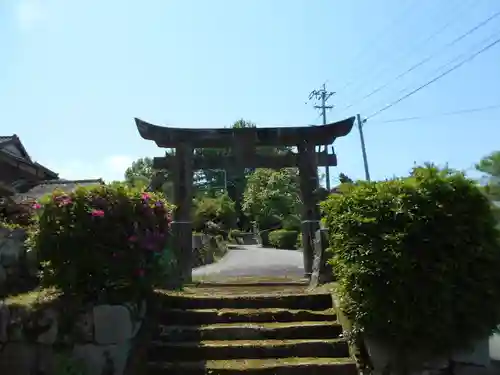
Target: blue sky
(74,74)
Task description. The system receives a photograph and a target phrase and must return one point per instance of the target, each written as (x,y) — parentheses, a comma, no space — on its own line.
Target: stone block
(495,347)
(18,358)
(48,318)
(103,359)
(477,356)
(4,322)
(3,275)
(84,327)
(112,324)
(137,312)
(4,232)
(10,251)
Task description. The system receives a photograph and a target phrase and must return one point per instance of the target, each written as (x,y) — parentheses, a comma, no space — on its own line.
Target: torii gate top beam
(221,138)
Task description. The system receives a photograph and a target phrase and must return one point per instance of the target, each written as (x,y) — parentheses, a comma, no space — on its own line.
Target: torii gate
(244,143)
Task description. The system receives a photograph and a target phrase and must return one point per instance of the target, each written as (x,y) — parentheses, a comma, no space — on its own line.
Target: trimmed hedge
(417,261)
(284,239)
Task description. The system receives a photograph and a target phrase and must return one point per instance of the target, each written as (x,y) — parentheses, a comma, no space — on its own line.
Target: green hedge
(283,239)
(417,261)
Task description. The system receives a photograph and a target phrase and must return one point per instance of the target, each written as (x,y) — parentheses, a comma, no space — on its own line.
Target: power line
(408,50)
(427,59)
(453,68)
(459,112)
(378,38)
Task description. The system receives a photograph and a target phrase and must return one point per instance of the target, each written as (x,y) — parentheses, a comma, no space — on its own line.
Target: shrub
(101,238)
(417,261)
(292,222)
(220,210)
(283,239)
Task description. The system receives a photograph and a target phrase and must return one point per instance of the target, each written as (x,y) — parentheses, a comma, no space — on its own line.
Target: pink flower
(37,206)
(64,201)
(132,238)
(97,213)
(140,272)
(146,196)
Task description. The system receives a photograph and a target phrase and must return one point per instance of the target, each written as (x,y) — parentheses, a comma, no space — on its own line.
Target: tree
(232,179)
(142,174)
(344,179)
(218,209)
(272,196)
(490,166)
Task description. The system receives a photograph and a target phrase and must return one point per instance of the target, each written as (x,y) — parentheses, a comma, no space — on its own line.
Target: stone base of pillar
(182,245)
(309,228)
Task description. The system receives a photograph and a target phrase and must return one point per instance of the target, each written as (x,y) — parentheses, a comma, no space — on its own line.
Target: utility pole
(361,123)
(323,96)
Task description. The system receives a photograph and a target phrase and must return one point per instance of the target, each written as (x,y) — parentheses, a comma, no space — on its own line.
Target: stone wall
(18,267)
(49,340)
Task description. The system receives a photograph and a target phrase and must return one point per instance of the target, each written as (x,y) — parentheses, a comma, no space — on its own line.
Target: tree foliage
(417,260)
(490,166)
(345,179)
(219,210)
(142,175)
(272,194)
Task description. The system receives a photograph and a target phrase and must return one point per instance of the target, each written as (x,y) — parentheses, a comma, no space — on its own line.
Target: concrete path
(255,261)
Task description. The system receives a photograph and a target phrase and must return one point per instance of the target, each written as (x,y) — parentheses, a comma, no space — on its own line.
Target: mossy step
(273,366)
(248,280)
(243,290)
(247,349)
(292,301)
(250,331)
(214,316)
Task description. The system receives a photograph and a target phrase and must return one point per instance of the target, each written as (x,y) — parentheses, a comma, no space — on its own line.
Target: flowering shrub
(100,238)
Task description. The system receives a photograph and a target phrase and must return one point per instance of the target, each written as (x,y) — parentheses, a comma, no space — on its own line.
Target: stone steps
(240,349)
(286,366)
(315,302)
(203,317)
(250,331)
(257,333)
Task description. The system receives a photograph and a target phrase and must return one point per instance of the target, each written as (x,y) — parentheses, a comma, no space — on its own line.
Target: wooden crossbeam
(220,138)
(253,161)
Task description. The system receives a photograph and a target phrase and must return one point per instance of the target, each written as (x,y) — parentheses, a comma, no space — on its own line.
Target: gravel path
(255,261)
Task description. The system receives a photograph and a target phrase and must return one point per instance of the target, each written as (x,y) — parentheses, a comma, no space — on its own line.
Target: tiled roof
(6,138)
(9,139)
(47,187)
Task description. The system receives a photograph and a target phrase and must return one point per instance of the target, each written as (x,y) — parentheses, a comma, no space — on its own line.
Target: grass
(34,298)
(248,364)
(263,363)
